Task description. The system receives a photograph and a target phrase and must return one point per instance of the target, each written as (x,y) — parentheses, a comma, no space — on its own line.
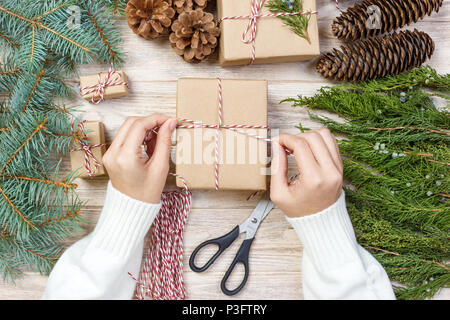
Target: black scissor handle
(241,257)
(223,242)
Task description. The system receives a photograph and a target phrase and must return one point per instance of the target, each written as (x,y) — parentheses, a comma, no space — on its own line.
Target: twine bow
(89,157)
(256,7)
(112,78)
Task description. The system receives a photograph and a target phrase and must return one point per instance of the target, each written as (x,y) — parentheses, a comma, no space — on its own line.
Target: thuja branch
(441,131)
(297,23)
(398,254)
(396,155)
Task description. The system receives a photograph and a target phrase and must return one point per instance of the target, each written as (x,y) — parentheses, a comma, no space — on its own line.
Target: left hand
(139,177)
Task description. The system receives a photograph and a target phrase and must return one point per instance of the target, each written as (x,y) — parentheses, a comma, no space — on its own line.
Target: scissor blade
(251,225)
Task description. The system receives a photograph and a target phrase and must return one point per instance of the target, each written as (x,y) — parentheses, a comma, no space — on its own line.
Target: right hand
(141,177)
(319,184)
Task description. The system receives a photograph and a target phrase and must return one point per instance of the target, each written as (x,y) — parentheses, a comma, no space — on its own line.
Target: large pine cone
(360,21)
(194,35)
(150,18)
(188,5)
(377,57)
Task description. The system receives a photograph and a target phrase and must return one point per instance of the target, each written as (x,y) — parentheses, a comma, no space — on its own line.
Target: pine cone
(377,57)
(194,35)
(149,18)
(188,5)
(360,21)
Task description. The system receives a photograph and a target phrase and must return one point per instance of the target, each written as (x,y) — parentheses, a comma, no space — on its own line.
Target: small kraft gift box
(105,85)
(87,155)
(273,40)
(222,134)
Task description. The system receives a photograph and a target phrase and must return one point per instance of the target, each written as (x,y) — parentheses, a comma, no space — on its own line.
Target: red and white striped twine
(87,149)
(112,78)
(161,276)
(256,7)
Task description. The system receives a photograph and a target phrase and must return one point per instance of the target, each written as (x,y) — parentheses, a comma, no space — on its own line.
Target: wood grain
(153,69)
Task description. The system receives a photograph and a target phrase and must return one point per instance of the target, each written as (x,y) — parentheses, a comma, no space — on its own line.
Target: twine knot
(87,149)
(256,7)
(112,78)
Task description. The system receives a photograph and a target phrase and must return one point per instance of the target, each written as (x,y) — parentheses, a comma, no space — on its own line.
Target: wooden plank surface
(153,69)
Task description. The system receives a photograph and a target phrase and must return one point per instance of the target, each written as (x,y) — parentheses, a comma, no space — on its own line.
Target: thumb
(161,153)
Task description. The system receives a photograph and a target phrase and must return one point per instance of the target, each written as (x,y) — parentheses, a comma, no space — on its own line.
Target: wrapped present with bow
(251,33)
(86,156)
(222,134)
(105,85)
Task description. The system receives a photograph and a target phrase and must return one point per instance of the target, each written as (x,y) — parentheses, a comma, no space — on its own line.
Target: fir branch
(16,210)
(40,127)
(69,215)
(62,184)
(36,23)
(39,210)
(116,7)
(9,41)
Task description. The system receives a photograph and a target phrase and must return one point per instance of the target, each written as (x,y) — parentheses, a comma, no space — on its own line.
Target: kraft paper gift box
(96,135)
(275,42)
(244,159)
(111,91)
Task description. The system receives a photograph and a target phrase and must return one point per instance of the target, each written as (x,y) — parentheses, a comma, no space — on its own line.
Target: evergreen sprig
(116,7)
(396,157)
(297,23)
(39,48)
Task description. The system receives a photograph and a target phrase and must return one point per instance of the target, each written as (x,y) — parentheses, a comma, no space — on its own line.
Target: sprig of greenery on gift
(395,146)
(41,43)
(297,23)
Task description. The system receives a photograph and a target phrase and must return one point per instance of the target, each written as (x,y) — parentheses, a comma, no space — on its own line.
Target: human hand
(319,184)
(139,177)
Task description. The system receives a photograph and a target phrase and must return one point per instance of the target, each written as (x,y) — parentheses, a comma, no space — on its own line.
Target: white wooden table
(153,69)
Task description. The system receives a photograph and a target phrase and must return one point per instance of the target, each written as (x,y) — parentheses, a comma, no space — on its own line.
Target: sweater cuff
(123,223)
(327,236)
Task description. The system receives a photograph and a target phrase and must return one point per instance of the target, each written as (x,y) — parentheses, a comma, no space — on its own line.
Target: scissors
(249,226)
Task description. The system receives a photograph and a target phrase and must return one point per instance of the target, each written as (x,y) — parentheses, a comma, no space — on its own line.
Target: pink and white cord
(112,78)
(256,7)
(161,276)
(87,149)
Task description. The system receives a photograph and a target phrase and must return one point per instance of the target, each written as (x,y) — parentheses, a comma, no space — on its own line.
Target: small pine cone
(377,57)
(374,17)
(188,5)
(194,35)
(150,18)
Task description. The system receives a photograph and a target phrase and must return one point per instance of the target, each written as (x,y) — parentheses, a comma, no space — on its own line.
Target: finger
(278,168)
(319,149)
(150,146)
(303,155)
(333,147)
(122,132)
(138,131)
(161,152)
